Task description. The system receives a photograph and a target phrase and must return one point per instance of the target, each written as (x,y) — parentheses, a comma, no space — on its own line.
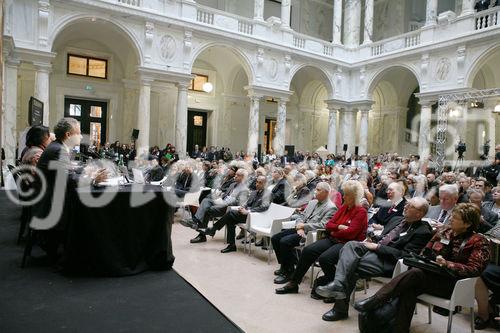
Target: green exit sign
(88,87)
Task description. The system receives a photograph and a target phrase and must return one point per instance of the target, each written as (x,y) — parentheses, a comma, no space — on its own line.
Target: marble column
(143,117)
(285,13)
(42,71)
(279,139)
(424,142)
(332,130)
(347,130)
(181,120)
(258,10)
(337,22)
(253,125)
(431,12)
(368,33)
(352,22)
(467,7)
(363,132)
(9,115)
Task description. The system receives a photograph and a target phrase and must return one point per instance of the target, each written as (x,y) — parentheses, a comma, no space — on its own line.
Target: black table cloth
(117,239)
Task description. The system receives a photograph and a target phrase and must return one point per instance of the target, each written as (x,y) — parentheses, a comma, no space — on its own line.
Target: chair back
(464,293)
(274,212)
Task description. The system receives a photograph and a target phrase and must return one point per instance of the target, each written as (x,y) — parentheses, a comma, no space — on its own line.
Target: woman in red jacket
(348,223)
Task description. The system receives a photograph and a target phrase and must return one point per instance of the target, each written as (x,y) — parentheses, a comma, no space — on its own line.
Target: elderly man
(367,259)
(258,201)
(394,206)
(236,194)
(315,216)
(489,219)
(448,197)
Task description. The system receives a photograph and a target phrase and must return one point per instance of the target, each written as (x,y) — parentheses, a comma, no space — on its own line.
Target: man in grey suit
(236,194)
(315,216)
(448,197)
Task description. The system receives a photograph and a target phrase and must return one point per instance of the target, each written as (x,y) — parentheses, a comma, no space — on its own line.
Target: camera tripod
(460,159)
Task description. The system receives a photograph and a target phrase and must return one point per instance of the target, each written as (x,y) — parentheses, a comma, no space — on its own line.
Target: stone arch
(479,63)
(381,73)
(323,74)
(69,20)
(245,60)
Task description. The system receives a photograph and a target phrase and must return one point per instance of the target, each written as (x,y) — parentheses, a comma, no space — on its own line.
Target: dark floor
(36,299)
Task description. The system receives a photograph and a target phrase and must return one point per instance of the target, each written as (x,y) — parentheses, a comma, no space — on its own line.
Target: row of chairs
(277,218)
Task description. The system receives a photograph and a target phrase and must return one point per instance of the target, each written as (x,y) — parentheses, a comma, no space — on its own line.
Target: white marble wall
(9,115)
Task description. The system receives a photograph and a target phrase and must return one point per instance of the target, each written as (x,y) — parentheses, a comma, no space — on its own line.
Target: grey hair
(423,205)
(63,126)
(477,191)
(262,178)
(451,189)
(397,187)
(310,174)
(300,178)
(324,186)
(354,187)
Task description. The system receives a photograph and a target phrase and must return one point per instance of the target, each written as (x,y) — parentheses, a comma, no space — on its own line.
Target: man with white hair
(448,197)
(393,207)
(315,216)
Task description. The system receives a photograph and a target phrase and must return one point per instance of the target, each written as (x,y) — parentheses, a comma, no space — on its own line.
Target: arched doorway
(395,116)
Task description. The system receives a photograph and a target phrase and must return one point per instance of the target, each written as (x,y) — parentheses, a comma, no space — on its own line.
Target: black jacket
(258,201)
(384,214)
(412,240)
(278,192)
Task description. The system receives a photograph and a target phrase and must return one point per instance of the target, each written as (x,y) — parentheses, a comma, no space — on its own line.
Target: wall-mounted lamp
(497,108)
(208,87)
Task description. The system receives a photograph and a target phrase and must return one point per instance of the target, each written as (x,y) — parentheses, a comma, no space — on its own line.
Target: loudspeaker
(345,147)
(356,150)
(135,134)
(290,149)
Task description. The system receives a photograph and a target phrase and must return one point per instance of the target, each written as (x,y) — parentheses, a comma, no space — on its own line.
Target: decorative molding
(167,47)
(43,22)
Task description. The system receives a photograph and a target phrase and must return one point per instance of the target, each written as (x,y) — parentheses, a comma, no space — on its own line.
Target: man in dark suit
(394,207)
(258,201)
(280,189)
(61,178)
(366,259)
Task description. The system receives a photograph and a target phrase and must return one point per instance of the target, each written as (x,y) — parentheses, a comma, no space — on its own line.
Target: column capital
(264,91)
(12,62)
(182,85)
(42,66)
(146,81)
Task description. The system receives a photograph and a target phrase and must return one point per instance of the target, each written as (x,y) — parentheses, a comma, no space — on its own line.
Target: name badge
(403,234)
(445,241)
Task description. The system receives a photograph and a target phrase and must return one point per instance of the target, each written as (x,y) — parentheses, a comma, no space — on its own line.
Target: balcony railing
(405,41)
(204,16)
(487,18)
(135,3)
(245,27)
(299,42)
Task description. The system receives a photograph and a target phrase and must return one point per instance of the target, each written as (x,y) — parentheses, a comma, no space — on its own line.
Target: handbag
(380,320)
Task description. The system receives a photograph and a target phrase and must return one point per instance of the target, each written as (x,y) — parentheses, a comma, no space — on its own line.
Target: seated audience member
(456,247)
(312,179)
(37,139)
(252,180)
(210,207)
(228,179)
(184,182)
(315,216)
(464,185)
(368,259)
(448,196)
(394,207)
(279,187)
(483,185)
(419,186)
(488,218)
(335,195)
(258,201)
(300,194)
(494,205)
(486,310)
(348,223)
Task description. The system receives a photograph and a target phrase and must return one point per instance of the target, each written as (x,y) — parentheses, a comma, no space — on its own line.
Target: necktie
(443,216)
(392,235)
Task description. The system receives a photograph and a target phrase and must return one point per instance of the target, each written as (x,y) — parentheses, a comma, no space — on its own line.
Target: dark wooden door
(92,116)
(197,130)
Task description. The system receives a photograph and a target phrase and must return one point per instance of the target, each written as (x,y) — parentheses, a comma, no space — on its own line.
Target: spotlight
(207,87)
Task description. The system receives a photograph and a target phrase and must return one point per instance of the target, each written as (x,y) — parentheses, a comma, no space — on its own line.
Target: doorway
(92,116)
(269,134)
(196,130)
